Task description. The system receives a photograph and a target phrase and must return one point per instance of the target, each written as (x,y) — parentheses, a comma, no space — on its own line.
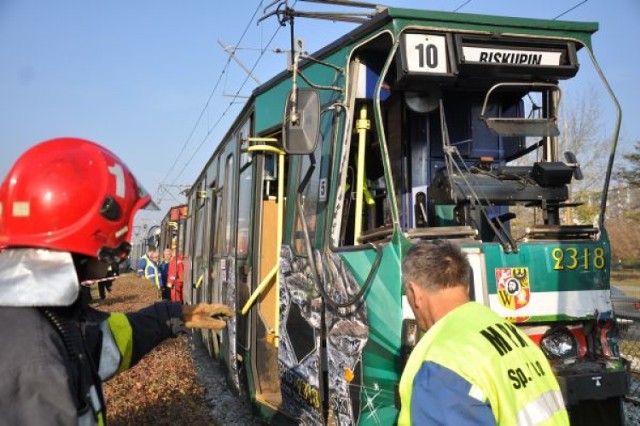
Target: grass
(627,280)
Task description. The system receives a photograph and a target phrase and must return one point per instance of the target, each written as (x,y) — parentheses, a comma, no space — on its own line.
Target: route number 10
(426,53)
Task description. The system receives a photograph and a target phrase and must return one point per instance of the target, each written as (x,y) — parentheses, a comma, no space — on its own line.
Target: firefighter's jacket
(474,368)
(175,279)
(56,350)
(42,380)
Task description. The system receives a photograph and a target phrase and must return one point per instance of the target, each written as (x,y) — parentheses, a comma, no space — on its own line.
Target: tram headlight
(559,343)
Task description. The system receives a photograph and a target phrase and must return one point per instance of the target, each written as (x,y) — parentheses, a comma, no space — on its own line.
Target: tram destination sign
(445,55)
(515,57)
(488,55)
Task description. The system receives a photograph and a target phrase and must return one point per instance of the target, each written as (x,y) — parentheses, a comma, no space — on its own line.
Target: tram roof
(452,21)
(398,18)
(496,24)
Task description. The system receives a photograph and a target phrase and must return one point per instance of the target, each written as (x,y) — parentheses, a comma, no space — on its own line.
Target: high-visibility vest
(151,271)
(505,368)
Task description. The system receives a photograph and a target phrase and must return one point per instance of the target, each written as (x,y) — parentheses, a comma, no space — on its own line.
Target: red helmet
(72,195)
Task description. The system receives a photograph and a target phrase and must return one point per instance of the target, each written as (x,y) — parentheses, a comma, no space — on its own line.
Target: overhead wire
(235,96)
(462,5)
(204,109)
(570,9)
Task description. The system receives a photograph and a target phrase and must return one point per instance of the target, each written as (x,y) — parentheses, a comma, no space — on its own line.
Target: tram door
(265,263)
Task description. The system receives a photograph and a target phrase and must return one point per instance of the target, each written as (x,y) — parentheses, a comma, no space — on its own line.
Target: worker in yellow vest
(151,271)
(471,367)
(148,267)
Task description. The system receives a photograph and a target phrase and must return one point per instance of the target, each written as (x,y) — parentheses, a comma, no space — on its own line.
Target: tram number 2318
(425,53)
(578,258)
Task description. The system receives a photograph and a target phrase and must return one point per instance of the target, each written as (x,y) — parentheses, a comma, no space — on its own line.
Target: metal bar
(263,148)
(232,54)
(279,243)
(347,3)
(258,291)
(362,125)
(358,18)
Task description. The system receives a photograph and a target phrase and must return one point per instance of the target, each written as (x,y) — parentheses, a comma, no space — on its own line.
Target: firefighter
(104,286)
(471,367)
(175,278)
(66,213)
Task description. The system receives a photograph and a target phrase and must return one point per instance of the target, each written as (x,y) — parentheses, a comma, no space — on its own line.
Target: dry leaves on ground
(162,388)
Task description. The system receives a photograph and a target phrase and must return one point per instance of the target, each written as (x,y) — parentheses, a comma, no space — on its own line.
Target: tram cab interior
(471,156)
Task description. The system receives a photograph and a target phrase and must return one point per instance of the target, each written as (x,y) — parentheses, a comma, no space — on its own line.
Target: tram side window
(244,210)
(220,204)
(198,261)
(270,186)
(309,200)
(227,217)
(375,205)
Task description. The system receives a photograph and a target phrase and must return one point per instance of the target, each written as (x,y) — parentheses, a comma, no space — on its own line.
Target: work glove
(205,315)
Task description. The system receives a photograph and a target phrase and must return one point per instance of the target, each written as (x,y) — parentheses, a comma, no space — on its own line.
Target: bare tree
(582,132)
(630,173)
(628,191)
(623,234)
(581,128)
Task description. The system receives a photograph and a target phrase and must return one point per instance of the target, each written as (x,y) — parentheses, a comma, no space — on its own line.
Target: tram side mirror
(301,123)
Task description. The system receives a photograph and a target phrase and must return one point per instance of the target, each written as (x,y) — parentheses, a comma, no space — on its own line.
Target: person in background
(144,260)
(175,278)
(471,367)
(163,269)
(151,271)
(66,214)
(104,286)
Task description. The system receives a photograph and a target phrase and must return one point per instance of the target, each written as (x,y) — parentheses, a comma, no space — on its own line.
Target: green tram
(415,125)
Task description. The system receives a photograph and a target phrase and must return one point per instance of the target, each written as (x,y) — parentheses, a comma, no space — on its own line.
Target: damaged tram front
(417,125)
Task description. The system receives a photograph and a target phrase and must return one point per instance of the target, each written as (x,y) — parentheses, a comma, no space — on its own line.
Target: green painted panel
(271,102)
(497,24)
(381,361)
(270,98)
(554,266)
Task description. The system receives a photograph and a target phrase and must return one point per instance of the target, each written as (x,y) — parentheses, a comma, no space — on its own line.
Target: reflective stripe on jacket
(505,368)
(142,263)
(40,384)
(151,272)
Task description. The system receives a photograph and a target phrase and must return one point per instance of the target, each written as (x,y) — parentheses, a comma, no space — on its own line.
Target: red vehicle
(172,237)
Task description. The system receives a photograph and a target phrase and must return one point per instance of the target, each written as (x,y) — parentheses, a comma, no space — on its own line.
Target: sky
(149,80)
